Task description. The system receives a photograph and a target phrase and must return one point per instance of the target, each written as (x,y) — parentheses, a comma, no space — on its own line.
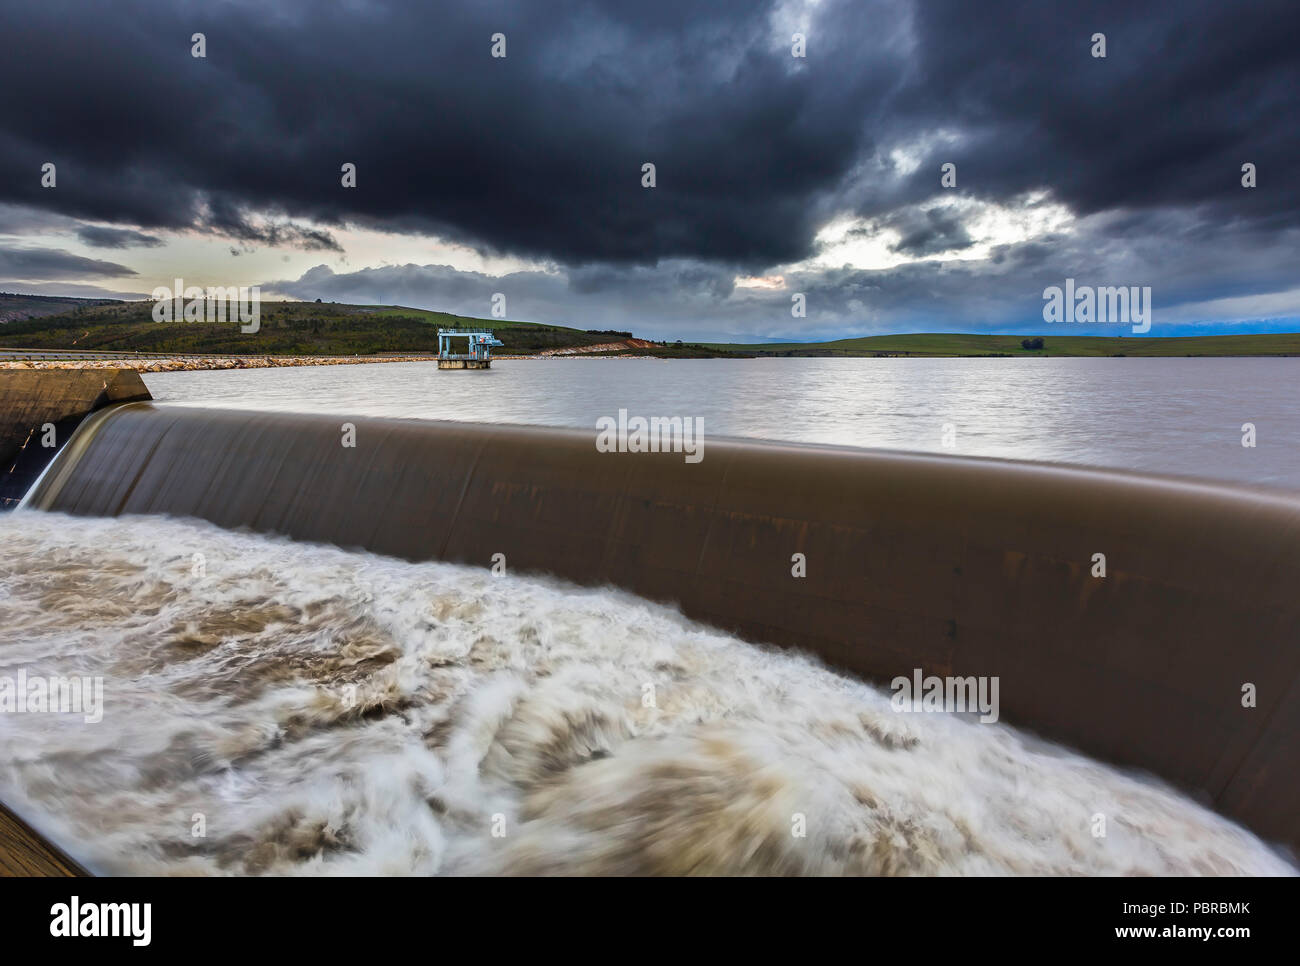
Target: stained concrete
(56,398)
(23,852)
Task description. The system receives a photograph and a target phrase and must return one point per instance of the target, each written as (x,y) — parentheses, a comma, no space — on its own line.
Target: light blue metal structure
(479,349)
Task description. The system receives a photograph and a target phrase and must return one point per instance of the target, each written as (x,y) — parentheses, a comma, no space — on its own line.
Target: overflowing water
(276,707)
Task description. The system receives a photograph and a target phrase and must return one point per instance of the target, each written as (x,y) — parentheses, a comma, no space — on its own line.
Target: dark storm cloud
(634,297)
(98,237)
(539,154)
(1186,94)
(698,301)
(928,231)
(21,220)
(52,264)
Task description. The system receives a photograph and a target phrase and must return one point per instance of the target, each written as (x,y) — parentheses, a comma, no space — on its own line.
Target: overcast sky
(775,174)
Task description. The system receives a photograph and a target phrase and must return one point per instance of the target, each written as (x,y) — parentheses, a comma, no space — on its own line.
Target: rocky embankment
(603,348)
(188,363)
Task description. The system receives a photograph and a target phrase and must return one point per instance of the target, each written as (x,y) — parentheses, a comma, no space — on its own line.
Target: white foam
(334,712)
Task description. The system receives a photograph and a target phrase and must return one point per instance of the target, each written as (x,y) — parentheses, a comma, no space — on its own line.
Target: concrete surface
(30,400)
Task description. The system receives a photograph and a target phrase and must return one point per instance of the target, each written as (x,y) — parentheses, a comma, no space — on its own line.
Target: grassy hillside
(287,328)
(16,307)
(316,328)
(959,344)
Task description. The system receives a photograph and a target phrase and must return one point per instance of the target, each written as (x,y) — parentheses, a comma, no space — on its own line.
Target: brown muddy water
(283,708)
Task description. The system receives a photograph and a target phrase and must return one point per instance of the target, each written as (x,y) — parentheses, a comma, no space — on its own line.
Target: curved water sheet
(278,707)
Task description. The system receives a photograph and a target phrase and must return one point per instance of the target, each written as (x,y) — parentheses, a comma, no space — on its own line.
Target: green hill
(287,328)
(961,344)
(328,328)
(17,307)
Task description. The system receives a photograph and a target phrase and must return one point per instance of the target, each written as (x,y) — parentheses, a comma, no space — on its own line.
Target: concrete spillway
(25,853)
(45,406)
(955,566)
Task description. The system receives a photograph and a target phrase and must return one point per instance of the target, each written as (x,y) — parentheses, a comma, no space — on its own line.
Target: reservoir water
(1175,416)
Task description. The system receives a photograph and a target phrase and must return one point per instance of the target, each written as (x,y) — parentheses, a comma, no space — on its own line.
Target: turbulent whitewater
(280,708)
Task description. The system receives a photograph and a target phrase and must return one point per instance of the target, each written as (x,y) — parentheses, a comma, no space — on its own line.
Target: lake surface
(1177,416)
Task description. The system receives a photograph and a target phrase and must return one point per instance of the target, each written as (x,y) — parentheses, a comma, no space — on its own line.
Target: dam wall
(25,853)
(958,567)
(59,399)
